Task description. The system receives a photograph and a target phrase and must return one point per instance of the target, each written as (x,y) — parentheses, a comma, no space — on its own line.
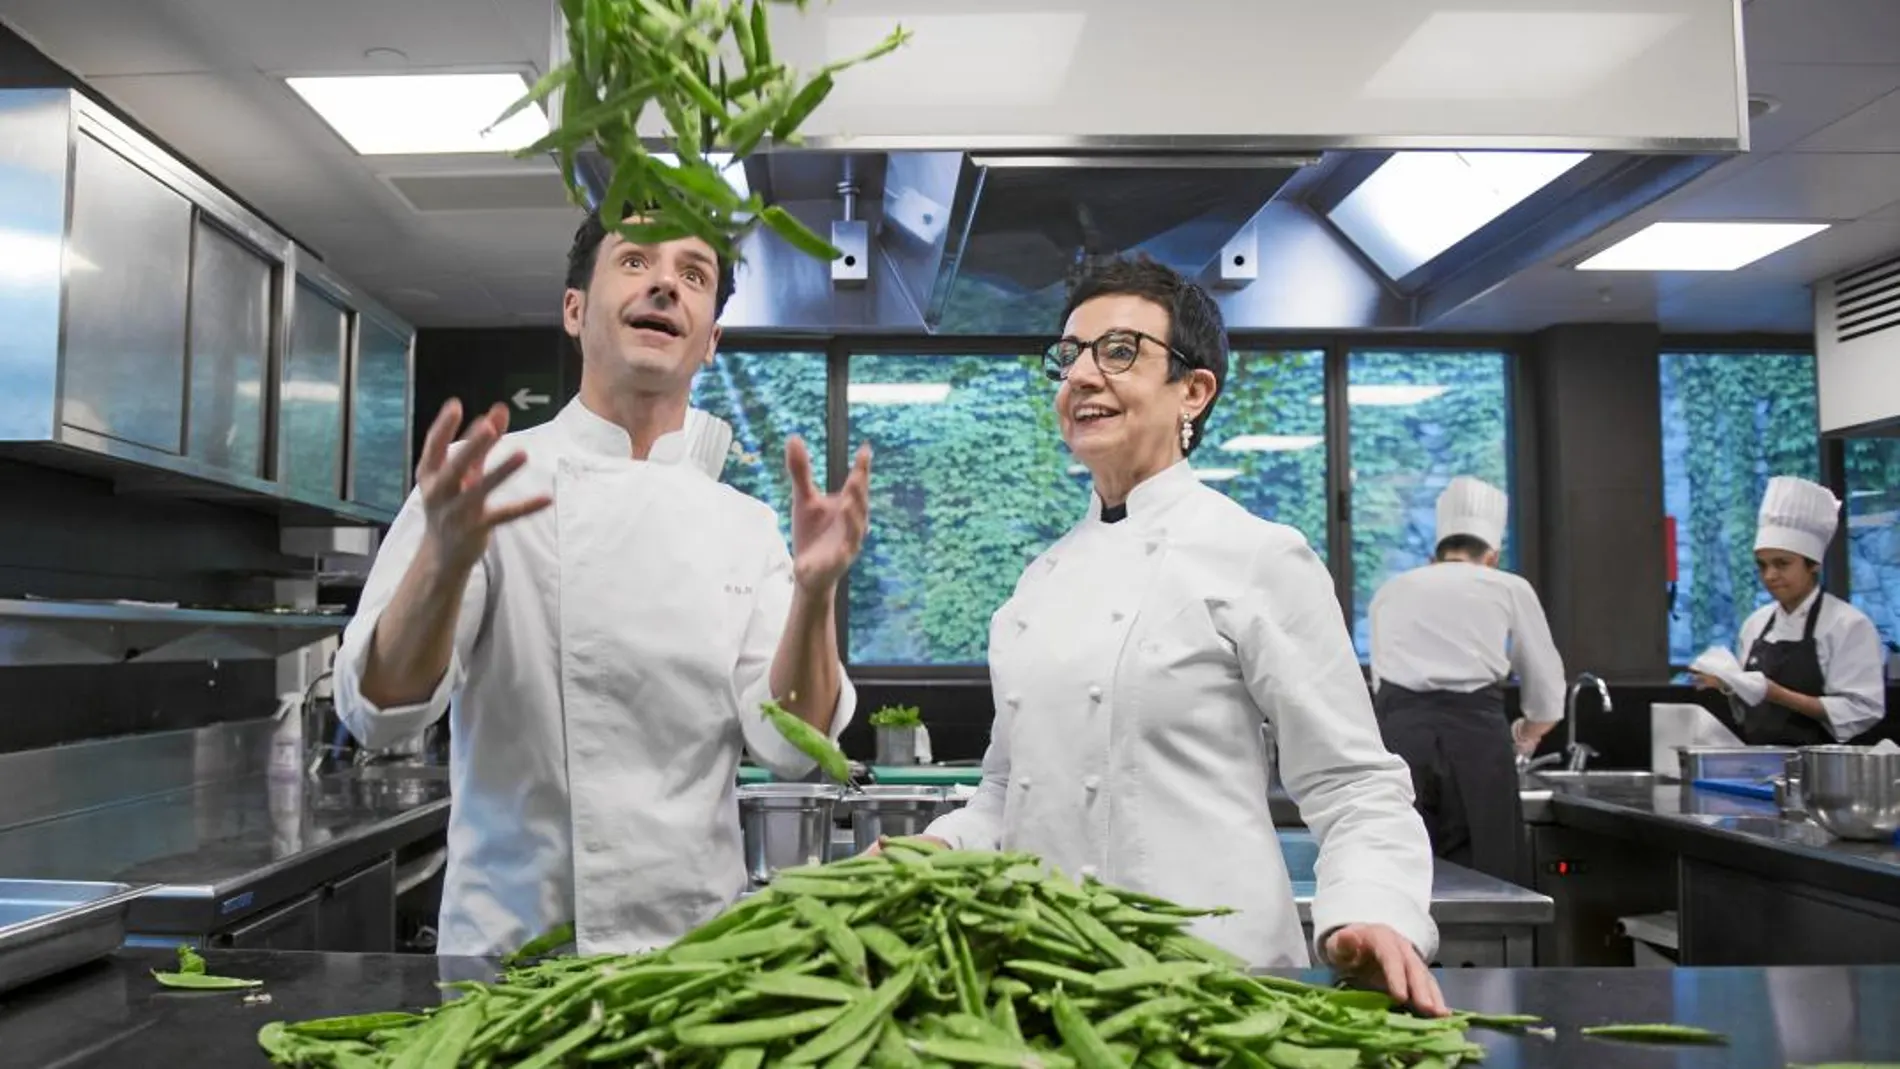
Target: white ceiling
(206,76)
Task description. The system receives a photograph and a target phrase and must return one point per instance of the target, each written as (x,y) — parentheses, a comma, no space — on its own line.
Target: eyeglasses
(1115,352)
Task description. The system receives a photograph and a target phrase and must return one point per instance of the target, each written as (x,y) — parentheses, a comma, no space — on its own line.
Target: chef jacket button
(1088,871)
(1152,546)
(1095,694)
(1024,780)
(1014,700)
(1117,615)
(1092,783)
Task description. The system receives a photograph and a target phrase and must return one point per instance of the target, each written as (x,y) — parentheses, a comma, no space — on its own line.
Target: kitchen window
(1418,417)
(767,397)
(1873,535)
(1265,443)
(1730,421)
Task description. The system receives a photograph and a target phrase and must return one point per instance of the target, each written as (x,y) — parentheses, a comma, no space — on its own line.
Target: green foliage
(1730,422)
(898,716)
(1404,454)
(1873,533)
(767,398)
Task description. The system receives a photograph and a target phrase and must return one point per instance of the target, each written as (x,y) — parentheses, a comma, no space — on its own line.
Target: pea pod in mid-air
(808,740)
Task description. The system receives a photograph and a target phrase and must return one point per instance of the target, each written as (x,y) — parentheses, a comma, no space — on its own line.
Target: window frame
(1337,347)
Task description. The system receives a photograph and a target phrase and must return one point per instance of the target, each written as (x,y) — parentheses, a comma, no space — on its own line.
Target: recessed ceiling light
(415,114)
(897,393)
(1388,394)
(1698,246)
(1418,204)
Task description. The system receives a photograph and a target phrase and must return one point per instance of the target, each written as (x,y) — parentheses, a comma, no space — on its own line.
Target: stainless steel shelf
(85,632)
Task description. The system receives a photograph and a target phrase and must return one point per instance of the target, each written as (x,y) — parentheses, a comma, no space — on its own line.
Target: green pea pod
(803,988)
(1003,1015)
(741,945)
(834,890)
(556,1053)
(799,237)
(1289,1056)
(551,940)
(761,34)
(1079,1037)
(853,1056)
(806,739)
(866,1013)
(893,1050)
(886,945)
(743,1058)
(837,934)
(801,106)
(1251,1030)
(1501,1020)
(1044,971)
(1133,1017)
(899,37)
(543,88)
(969,1052)
(359,1026)
(1161,974)
(189,960)
(1193,947)
(197,981)
(1656,1033)
(758,1031)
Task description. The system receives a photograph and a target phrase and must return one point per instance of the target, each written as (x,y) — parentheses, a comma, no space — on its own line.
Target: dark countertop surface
(1742,833)
(112,1014)
(214,840)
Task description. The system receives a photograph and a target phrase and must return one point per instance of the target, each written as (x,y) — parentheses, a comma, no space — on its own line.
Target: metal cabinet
(357,914)
(310,409)
(232,315)
(128,261)
(380,401)
(291,927)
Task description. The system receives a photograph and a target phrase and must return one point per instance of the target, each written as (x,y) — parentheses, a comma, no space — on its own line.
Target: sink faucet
(1579,754)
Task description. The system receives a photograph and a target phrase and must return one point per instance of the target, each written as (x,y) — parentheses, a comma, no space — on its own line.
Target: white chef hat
(1798,516)
(1473,507)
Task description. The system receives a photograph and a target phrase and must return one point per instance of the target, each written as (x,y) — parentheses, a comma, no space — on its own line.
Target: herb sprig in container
(710,69)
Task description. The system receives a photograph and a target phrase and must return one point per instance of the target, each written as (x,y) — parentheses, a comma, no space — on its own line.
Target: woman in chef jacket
(1139,656)
(1812,669)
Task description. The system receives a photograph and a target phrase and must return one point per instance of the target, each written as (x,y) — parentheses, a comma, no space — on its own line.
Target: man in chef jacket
(1812,667)
(601,618)
(1445,638)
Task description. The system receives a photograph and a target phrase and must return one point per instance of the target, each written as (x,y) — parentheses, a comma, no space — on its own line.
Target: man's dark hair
(1463,545)
(586,249)
(1194,320)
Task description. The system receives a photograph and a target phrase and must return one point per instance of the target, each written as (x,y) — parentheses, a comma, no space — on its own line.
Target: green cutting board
(891,775)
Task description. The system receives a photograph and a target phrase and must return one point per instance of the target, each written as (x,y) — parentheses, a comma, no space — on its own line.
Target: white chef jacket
(609,662)
(1132,670)
(1848,646)
(1461,627)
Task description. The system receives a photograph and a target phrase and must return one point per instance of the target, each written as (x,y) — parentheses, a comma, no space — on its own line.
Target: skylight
(1418,204)
(1699,246)
(416,114)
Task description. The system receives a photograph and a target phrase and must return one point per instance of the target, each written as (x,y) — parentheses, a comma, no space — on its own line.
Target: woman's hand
(1377,956)
(1704,681)
(878,847)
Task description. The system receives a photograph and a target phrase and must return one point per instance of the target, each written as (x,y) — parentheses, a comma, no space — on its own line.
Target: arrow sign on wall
(524,399)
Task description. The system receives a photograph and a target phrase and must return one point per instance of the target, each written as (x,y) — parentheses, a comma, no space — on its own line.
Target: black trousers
(1464,773)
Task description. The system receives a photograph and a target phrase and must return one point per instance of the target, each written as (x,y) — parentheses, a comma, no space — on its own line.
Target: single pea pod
(804,738)
(553,939)
(1254,1029)
(743,1058)
(1161,974)
(1079,1037)
(1655,1033)
(758,1031)
(971,1052)
(868,1012)
(197,981)
(1283,1055)
(1500,1020)
(803,988)
(359,1026)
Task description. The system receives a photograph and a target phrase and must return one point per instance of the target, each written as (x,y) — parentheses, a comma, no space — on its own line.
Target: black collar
(1114,513)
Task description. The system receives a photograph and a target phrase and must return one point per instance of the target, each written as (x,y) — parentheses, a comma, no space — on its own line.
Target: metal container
(893,811)
(1852,791)
(1755,764)
(786,825)
(49,926)
(896,746)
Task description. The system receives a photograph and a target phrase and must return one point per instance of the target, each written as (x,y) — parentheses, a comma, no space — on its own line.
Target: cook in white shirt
(1139,656)
(601,618)
(1445,638)
(1813,668)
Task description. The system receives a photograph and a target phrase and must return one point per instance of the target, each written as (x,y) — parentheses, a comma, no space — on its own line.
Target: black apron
(1797,666)
(1464,773)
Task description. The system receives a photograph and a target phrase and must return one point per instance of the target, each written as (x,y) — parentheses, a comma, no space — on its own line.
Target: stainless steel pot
(786,825)
(893,811)
(1852,791)
(896,746)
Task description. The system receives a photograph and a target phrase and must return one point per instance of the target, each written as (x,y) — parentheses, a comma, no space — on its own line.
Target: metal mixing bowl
(893,811)
(786,825)
(1852,791)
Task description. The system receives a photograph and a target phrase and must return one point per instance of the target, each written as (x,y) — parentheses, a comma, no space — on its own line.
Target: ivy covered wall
(1873,536)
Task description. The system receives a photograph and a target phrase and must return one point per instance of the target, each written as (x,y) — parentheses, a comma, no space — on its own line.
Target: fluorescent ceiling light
(1271,443)
(414,114)
(1389,394)
(27,257)
(897,393)
(1418,204)
(1699,246)
(1215,475)
(734,173)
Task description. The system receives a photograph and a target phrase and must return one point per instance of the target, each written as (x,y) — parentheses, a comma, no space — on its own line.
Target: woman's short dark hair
(1195,326)
(586,249)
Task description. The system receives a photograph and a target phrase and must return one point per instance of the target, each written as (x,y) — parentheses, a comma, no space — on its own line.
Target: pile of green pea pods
(916,958)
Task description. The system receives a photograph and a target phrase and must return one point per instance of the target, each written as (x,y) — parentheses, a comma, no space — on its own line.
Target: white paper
(1673,726)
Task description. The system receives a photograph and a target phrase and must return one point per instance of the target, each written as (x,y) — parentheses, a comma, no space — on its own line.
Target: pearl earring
(1187,432)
